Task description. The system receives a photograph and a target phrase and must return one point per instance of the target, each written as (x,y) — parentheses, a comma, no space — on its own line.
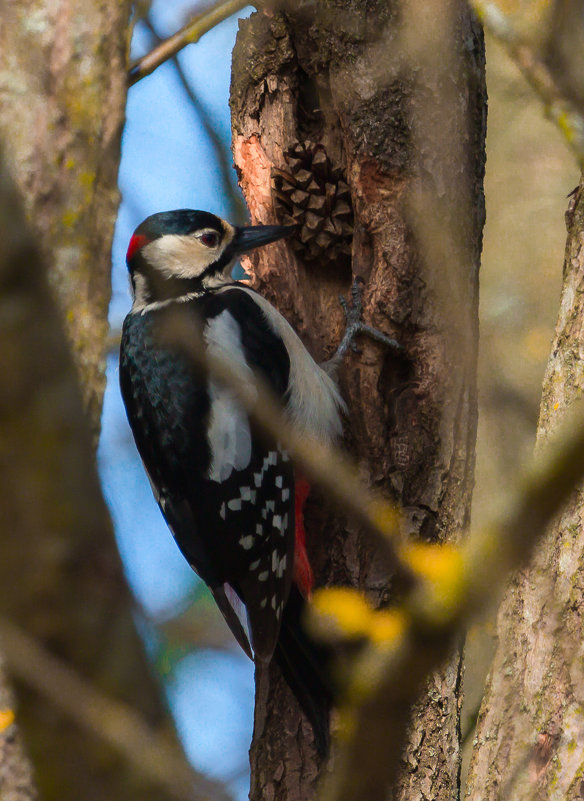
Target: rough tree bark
(16,774)
(62,99)
(406,126)
(528,742)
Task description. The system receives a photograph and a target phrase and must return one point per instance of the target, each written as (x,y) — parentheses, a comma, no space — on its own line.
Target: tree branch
(149,751)
(562,111)
(190,34)
(438,607)
(237,207)
(437,611)
(324,467)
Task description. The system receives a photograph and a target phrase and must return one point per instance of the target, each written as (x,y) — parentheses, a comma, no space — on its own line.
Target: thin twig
(558,107)
(114,338)
(151,753)
(238,213)
(190,34)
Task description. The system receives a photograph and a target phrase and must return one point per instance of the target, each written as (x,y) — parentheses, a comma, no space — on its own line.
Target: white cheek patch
(178,256)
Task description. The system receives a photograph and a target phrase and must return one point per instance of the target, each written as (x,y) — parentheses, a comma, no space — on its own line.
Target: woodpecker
(230,498)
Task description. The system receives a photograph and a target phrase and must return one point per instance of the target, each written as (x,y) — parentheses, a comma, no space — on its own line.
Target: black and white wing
(227,494)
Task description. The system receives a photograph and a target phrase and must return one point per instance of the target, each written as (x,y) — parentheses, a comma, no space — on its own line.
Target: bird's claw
(355,325)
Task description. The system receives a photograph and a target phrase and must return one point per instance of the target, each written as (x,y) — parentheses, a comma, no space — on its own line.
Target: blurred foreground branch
(560,109)
(323,467)
(150,752)
(460,583)
(61,579)
(453,584)
(63,145)
(190,34)
(529,731)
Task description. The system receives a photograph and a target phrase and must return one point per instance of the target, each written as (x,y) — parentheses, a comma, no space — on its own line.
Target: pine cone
(312,194)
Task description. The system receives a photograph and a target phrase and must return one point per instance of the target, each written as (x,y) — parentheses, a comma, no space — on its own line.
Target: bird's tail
(305,664)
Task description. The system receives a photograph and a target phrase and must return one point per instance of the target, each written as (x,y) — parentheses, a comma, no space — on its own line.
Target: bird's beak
(254,236)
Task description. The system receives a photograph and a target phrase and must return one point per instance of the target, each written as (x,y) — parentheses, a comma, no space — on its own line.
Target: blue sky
(167,163)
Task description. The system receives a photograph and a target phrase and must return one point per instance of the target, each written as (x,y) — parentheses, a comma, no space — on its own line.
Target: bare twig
(558,108)
(190,34)
(114,338)
(509,542)
(201,625)
(151,754)
(238,211)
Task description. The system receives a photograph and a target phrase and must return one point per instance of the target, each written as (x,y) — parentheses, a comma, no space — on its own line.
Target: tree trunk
(16,776)
(62,97)
(62,100)
(530,732)
(402,122)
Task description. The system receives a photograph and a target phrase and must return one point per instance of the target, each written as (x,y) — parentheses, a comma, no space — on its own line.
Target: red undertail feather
(303,576)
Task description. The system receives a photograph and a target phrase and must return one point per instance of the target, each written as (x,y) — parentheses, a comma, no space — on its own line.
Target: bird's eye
(209,239)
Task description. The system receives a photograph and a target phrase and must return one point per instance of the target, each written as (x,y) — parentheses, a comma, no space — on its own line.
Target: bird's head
(174,253)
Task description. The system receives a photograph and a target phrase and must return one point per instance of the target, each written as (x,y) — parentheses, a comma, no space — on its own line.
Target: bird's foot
(354,325)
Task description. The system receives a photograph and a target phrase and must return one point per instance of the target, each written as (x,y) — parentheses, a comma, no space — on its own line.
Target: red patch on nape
(137,242)
(303,575)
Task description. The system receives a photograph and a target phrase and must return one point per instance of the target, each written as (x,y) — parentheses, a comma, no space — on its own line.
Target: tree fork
(407,133)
